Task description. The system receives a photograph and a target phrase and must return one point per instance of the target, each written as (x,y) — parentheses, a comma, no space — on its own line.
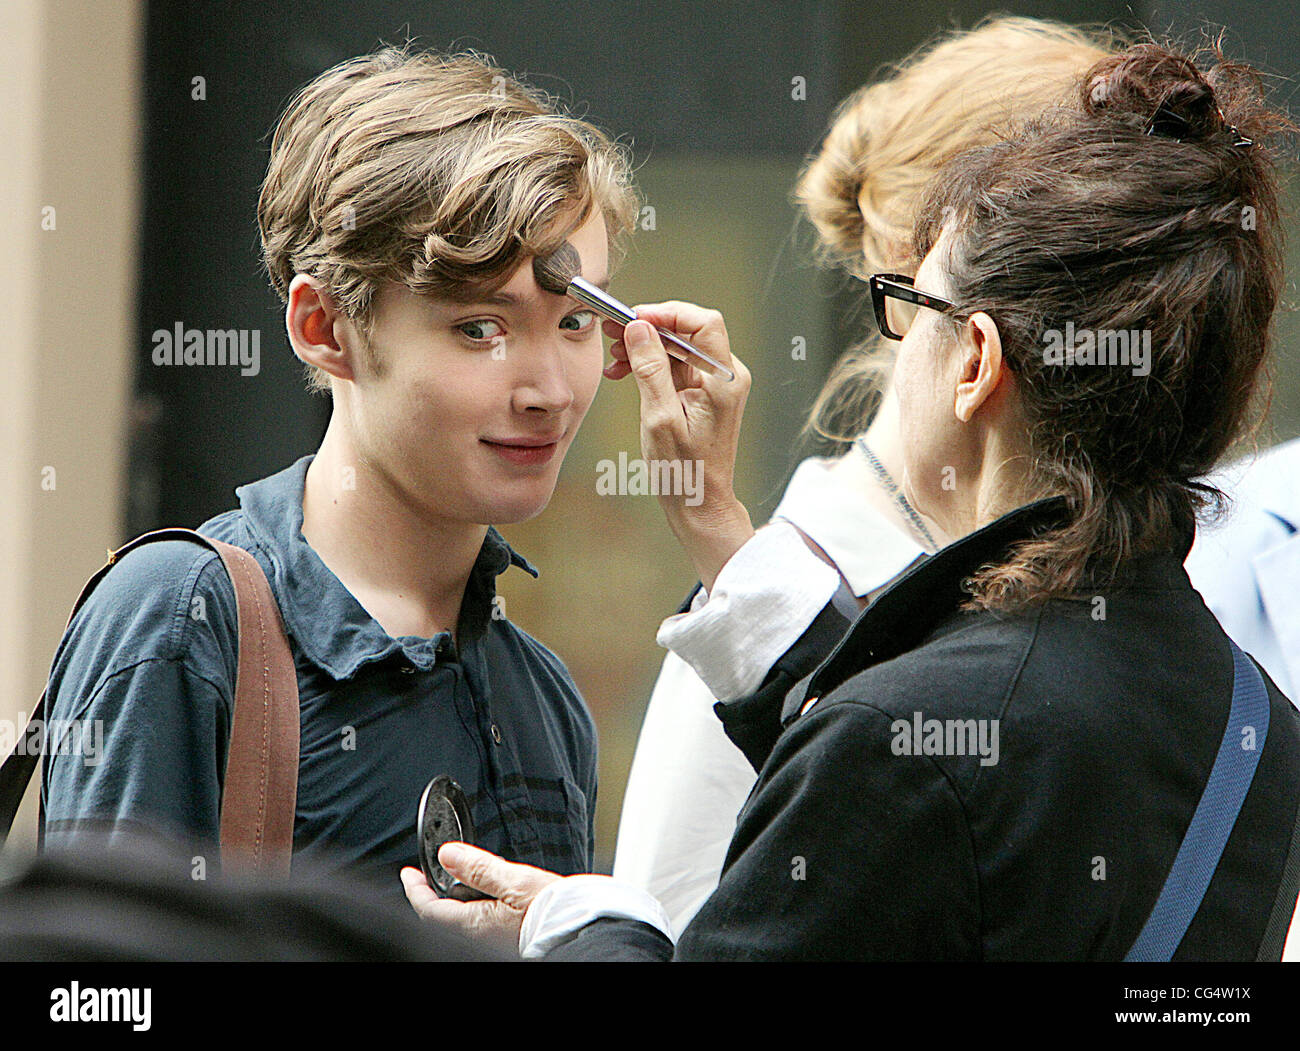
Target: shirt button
(496,733)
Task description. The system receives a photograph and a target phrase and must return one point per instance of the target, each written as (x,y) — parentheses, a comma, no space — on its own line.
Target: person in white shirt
(843,527)
(1247,564)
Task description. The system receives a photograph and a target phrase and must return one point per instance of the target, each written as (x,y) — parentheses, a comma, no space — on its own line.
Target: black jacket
(1109,719)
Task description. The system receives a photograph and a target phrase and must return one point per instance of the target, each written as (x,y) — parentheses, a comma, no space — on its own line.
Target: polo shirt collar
(930,591)
(330,626)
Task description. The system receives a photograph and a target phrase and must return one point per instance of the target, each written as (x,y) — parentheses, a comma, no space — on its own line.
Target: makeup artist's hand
(692,420)
(496,922)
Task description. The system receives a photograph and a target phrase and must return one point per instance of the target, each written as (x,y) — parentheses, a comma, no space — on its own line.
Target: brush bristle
(555,271)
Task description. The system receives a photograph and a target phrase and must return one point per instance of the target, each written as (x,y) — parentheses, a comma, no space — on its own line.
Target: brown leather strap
(261,784)
(260,794)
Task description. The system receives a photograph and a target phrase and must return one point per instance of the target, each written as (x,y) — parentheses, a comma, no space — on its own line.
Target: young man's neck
(406,569)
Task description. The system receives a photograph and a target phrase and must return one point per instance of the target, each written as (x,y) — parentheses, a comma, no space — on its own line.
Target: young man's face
(477,403)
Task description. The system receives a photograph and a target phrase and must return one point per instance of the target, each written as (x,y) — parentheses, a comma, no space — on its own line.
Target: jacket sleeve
(614,940)
(753,722)
(845,851)
(762,601)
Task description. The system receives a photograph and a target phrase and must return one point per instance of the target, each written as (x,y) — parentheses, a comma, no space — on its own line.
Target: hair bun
(1156,90)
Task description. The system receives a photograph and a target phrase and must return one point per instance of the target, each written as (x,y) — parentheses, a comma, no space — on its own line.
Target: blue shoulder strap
(1202,847)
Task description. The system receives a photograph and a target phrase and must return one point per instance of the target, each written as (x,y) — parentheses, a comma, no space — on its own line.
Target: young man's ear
(319,332)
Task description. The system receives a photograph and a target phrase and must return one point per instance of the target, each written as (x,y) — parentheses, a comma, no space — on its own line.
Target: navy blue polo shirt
(149,661)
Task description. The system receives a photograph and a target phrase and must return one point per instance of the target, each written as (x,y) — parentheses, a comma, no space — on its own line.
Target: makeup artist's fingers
(695,413)
(706,329)
(684,373)
(700,326)
(618,366)
(697,428)
(650,365)
(617,369)
(497,920)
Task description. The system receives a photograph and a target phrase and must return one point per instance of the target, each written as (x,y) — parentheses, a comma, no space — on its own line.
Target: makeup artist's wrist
(711,535)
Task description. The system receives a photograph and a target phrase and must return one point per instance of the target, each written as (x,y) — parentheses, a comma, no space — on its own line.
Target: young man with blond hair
(406,196)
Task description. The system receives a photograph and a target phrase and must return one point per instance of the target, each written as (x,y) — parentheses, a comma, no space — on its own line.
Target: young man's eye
(578,322)
(481,331)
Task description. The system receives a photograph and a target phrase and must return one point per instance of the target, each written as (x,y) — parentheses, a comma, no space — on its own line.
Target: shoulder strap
(260,795)
(1216,813)
(261,784)
(1274,942)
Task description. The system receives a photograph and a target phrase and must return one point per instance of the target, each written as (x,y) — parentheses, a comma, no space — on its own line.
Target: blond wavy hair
(438,172)
(861,190)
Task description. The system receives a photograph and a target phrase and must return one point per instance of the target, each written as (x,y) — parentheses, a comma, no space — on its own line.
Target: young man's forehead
(519,292)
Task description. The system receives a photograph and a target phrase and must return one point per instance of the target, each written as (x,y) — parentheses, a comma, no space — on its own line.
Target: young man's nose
(543,383)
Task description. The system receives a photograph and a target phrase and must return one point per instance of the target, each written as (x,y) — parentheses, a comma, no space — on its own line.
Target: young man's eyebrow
(509,299)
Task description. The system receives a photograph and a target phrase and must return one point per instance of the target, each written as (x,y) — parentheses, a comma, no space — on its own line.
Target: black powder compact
(444,818)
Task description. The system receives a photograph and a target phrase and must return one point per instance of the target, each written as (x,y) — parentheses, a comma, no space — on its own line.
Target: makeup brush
(558,273)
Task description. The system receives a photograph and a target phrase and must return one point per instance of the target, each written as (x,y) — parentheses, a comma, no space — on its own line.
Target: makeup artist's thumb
(507,881)
(649,362)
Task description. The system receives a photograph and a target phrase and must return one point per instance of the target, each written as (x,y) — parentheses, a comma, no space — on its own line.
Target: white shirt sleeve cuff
(567,905)
(766,596)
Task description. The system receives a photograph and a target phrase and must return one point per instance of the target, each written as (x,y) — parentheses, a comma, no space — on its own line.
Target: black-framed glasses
(897,302)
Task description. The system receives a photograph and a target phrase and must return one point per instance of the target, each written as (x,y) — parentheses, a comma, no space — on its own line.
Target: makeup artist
(843,529)
(1134,749)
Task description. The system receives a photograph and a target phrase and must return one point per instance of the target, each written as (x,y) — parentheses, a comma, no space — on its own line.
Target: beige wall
(69,100)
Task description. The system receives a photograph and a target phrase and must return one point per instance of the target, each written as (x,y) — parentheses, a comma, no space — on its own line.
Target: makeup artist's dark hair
(1150,205)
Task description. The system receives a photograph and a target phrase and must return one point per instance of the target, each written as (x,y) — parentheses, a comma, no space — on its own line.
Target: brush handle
(607,306)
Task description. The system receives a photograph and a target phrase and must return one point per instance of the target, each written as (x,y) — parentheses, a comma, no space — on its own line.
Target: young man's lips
(527,451)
